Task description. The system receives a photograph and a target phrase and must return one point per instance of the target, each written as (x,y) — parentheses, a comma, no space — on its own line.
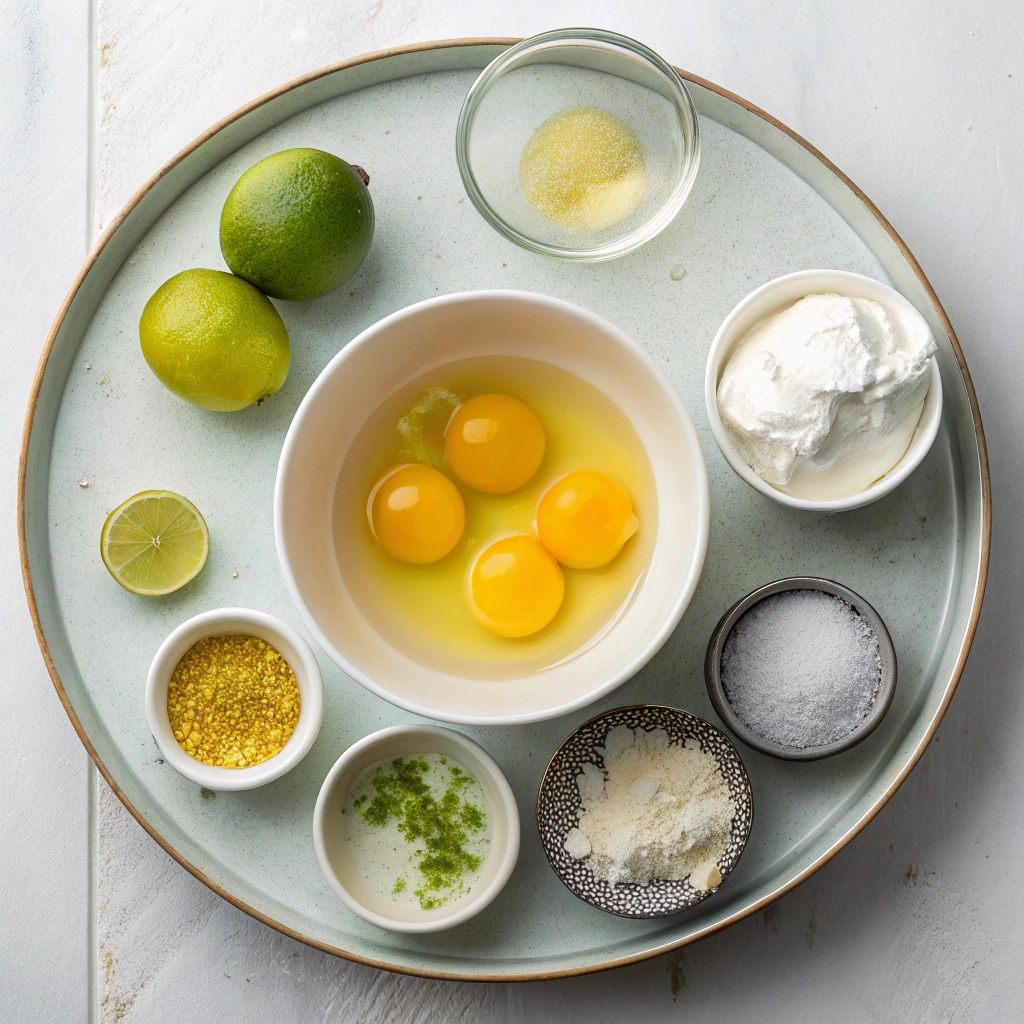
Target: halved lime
(154,543)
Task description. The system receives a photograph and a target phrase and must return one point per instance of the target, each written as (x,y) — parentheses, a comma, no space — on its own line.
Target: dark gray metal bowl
(886,685)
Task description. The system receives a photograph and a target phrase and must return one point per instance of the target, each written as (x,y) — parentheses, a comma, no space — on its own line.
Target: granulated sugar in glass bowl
(579,144)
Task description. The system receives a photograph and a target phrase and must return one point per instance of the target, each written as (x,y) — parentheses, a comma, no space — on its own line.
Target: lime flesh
(154,543)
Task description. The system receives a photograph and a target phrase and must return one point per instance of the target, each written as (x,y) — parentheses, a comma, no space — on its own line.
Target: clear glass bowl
(557,71)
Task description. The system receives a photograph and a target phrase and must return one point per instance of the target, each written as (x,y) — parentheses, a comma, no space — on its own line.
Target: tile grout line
(92,168)
(92,814)
(93,839)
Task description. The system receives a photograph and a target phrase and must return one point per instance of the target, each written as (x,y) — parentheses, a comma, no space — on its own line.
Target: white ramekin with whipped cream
(880,410)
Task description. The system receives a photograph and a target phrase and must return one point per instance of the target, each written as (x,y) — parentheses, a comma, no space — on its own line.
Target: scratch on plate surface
(677,980)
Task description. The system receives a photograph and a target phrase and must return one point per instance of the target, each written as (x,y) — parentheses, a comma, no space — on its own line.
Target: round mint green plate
(764,204)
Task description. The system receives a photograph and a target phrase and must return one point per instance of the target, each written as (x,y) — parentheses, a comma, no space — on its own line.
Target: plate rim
(569,972)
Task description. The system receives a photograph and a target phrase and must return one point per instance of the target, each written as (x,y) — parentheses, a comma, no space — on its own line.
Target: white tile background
(920,918)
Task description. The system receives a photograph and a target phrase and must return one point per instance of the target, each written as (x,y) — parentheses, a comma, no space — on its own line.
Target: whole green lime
(214,340)
(298,224)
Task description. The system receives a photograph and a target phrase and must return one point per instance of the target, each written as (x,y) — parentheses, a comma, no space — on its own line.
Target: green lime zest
(440,824)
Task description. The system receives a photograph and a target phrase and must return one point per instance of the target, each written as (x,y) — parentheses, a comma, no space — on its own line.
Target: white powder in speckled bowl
(801,668)
(657,810)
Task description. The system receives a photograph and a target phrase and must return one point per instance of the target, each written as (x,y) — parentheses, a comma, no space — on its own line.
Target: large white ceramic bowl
(291,647)
(399,349)
(331,844)
(773,297)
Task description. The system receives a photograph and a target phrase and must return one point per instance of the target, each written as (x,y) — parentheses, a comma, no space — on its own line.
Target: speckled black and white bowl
(558,805)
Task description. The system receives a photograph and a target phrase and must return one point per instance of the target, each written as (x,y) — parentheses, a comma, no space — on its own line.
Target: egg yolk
(584,519)
(494,443)
(515,586)
(416,513)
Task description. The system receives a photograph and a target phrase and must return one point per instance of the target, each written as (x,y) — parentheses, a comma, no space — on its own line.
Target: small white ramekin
(772,298)
(231,622)
(332,846)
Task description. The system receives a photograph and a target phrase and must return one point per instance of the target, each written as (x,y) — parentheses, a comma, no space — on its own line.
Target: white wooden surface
(919,920)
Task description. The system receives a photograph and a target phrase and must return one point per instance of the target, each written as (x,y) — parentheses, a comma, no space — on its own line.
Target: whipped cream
(826,394)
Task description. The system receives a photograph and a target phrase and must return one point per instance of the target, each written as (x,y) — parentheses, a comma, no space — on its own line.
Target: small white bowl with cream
(416,828)
(822,389)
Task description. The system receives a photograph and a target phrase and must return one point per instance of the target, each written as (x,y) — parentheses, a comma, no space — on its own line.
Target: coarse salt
(801,668)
